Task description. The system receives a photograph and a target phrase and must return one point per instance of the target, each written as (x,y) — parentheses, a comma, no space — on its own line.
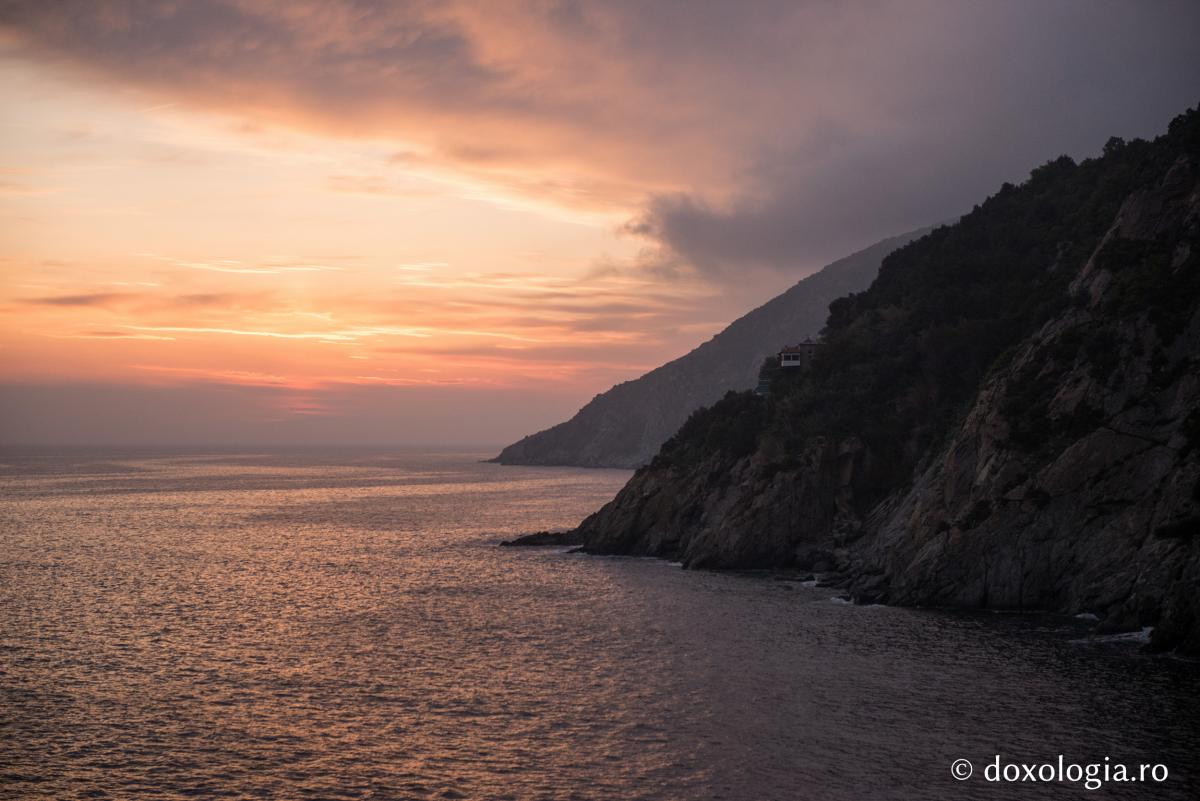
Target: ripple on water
(342,627)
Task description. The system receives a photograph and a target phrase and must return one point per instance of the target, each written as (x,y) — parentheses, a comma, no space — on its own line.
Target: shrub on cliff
(729,428)
(905,357)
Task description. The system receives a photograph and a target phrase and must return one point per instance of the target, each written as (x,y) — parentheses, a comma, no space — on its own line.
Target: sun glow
(146,243)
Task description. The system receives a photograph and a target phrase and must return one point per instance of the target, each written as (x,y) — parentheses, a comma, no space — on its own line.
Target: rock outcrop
(1036,450)
(1098,508)
(541,539)
(625,426)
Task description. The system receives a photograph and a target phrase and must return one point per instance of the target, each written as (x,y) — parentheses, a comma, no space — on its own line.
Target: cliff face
(1074,481)
(1037,450)
(735,506)
(625,426)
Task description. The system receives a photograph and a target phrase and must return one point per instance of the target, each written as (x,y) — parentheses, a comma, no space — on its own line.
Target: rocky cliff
(625,426)
(1008,418)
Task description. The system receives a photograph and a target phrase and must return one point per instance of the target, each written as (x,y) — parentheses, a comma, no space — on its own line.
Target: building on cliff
(800,355)
(790,357)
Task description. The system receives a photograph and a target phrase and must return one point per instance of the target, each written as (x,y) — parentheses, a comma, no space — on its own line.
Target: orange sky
(147,242)
(493,208)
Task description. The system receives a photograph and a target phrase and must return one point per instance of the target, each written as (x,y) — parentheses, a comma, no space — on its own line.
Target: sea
(342,625)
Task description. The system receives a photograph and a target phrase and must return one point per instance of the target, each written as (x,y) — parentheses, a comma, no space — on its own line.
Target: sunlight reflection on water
(342,626)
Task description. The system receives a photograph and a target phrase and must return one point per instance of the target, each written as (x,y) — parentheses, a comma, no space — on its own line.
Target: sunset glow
(195,251)
(313,197)
(599,399)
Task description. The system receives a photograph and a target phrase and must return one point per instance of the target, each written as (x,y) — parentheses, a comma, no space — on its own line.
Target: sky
(274,222)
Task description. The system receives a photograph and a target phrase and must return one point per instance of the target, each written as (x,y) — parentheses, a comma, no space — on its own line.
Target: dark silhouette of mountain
(1008,418)
(625,426)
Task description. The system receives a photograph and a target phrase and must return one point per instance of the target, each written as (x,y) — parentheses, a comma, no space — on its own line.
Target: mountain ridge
(626,425)
(1008,418)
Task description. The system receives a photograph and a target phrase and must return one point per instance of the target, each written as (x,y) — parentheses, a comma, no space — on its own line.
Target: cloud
(734,136)
(100,299)
(993,93)
(429,307)
(235,267)
(150,301)
(114,335)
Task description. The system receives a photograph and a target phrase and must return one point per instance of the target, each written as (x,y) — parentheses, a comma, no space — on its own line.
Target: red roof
(804,346)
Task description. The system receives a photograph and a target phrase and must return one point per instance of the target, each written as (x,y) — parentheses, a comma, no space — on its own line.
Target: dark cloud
(763,134)
(332,54)
(222,300)
(996,92)
(94,299)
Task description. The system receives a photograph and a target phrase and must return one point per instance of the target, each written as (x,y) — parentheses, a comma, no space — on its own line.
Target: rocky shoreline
(543,539)
(1068,483)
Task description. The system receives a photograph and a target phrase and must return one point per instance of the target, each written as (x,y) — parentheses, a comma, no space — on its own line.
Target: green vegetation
(904,359)
(730,427)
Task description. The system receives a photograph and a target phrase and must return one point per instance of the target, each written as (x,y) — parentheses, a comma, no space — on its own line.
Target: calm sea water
(343,626)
